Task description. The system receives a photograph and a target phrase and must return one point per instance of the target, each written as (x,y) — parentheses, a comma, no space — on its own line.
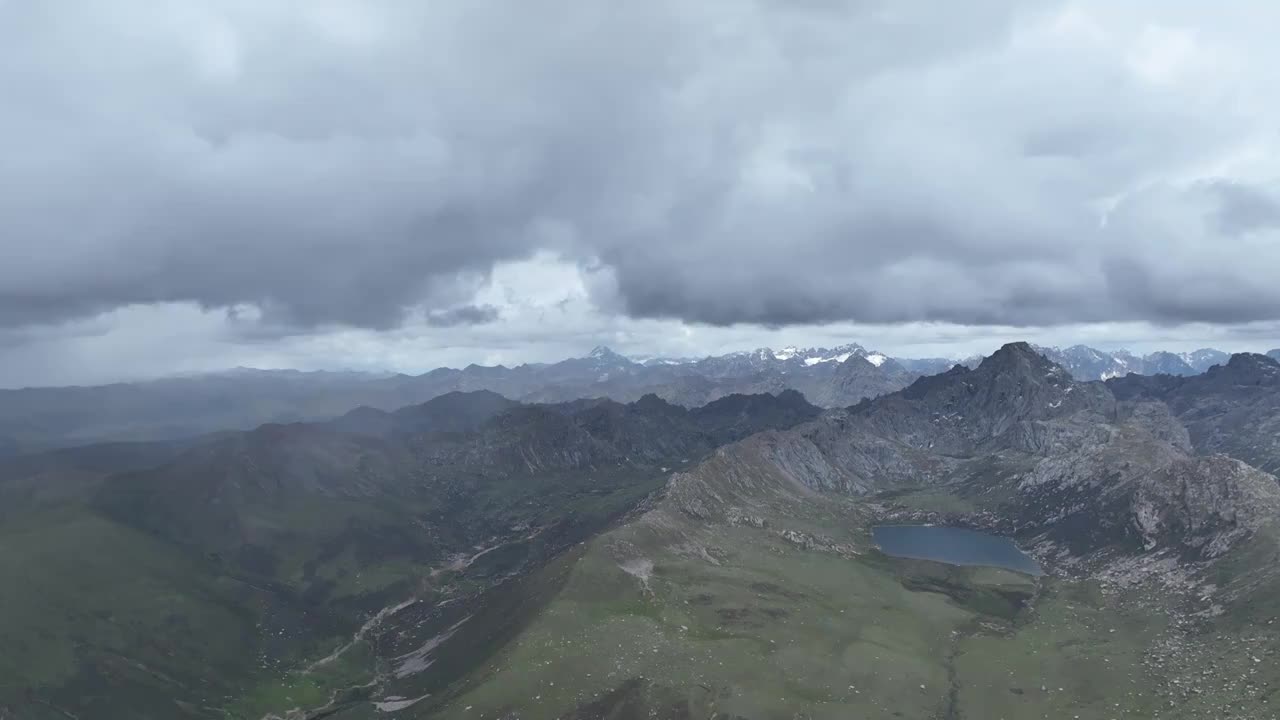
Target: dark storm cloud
(465,315)
(1000,162)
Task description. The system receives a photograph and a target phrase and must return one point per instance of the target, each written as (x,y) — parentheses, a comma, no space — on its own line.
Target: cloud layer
(544,313)
(362,164)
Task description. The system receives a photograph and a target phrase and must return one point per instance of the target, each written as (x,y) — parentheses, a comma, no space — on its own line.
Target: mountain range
(217,565)
(1086,363)
(34,419)
(479,556)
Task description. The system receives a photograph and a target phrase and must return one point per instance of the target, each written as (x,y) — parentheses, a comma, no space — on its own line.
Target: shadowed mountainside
(214,567)
(40,418)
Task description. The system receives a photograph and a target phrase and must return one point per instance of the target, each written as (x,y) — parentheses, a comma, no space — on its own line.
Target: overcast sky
(198,184)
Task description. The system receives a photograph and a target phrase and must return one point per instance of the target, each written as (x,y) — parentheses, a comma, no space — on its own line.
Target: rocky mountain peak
(1084,350)
(604,352)
(820,355)
(1166,363)
(792,398)
(997,404)
(1251,360)
(1204,358)
(1021,357)
(651,403)
(1248,369)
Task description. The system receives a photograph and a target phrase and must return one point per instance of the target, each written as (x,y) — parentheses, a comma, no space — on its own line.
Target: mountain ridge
(1110,495)
(1232,408)
(477,553)
(36,419)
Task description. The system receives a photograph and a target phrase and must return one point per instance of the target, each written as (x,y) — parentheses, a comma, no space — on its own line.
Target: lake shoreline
(959,546)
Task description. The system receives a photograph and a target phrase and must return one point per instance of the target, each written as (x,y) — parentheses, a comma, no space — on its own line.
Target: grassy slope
(114,619)
(731,638)
(771,630)
(107,621)
(573,507)
(1079,654)
(767,630)
(844,638)
(723,618)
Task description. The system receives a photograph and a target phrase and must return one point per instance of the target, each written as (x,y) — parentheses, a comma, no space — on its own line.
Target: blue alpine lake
(955,546)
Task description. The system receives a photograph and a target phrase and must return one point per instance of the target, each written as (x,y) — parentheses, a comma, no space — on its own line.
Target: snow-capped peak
(602,353)
(817,356)
(875,359)
(792,355)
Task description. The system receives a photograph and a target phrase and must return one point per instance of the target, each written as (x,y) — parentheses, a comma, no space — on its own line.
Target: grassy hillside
(662,618)
(110,621)
(103,620)
(529,569)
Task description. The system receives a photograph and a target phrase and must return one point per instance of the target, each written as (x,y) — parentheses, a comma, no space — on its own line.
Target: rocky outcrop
(1232,408)
(1203,505)
(1043,456)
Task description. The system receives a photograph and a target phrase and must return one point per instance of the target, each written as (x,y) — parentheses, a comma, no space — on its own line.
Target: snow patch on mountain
(811,361)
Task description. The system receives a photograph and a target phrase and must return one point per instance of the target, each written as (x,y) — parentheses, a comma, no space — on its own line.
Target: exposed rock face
(963,411)
(856,379)
(735,479)
(1139,491)
(1203,505)
(1064,460)
(1232,408)
(926,434)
